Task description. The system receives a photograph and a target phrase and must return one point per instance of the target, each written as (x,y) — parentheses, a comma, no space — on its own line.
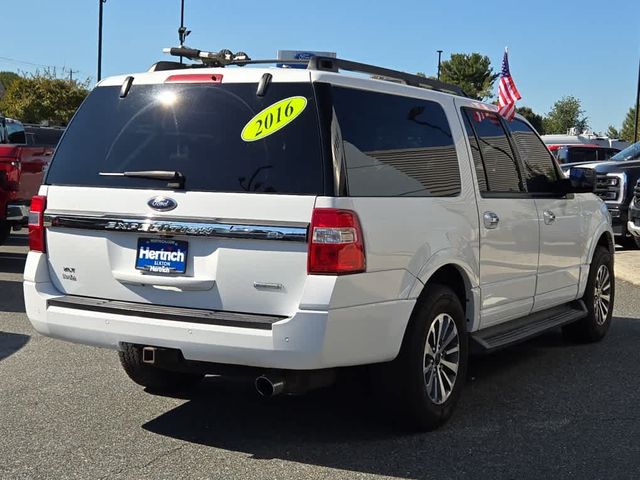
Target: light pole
(439,57)
(100,5)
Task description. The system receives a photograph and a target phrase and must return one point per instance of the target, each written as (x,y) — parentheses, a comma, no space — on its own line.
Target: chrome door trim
(192,227)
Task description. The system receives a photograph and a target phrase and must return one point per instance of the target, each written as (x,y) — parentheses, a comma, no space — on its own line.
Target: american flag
(507,92)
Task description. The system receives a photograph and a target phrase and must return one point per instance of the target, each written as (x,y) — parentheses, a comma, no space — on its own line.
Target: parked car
(287,223)
(572,155)
(615,183)
(22,167)
(633,224)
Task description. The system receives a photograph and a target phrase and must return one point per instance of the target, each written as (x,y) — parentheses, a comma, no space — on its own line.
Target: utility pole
(71,72)
(100,5)
(635,130)
(439,57)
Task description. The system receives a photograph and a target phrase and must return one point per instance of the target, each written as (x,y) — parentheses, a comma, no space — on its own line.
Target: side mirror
(581,180)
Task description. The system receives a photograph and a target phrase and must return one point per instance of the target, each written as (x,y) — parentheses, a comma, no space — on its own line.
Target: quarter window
(540,171)
(395,146)
(492,153)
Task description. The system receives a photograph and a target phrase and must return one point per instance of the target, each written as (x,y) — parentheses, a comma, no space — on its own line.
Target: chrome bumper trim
(633,229)
(173,226)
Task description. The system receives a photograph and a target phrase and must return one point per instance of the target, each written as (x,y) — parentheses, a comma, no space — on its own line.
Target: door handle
(491,220)
(549,217)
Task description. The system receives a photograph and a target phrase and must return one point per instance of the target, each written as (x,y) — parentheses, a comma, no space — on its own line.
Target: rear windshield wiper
(175,178)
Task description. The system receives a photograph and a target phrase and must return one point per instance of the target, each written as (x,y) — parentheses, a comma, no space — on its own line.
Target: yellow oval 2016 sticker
(273,118)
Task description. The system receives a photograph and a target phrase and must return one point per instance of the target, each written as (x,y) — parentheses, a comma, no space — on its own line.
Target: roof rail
(326,64)
(330,64)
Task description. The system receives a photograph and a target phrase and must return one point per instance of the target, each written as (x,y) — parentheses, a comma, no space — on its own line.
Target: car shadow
(11,296)
(12,262)
(10,343)
(342,426)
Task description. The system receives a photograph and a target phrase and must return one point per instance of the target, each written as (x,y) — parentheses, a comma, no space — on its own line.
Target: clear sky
(589,49)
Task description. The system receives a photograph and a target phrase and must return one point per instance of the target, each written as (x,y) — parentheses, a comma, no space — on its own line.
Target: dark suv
(615,184)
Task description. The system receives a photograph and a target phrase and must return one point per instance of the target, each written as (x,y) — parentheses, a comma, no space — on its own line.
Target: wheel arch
(456,277)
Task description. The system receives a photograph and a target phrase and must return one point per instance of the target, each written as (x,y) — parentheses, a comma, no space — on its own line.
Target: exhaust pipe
(269,387)
(293,382)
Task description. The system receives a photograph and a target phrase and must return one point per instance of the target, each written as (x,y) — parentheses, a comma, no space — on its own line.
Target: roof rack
(326,64)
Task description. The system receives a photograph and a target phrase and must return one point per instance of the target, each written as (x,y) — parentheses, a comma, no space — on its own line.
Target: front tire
(599,299)
(425,380)
(154,378)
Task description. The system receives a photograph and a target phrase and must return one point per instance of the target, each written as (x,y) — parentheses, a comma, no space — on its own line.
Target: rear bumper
(309,339)
(18,214)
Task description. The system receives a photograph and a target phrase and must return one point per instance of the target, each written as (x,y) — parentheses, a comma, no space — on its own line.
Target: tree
(472,72)
(533,118)
(566,113)
(43,97)
(421,74)
(612,132)
(626,133)
(6,79)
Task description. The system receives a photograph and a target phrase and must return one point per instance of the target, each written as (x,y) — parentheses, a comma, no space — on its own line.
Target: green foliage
(565,114)
(612,132)
(533,118)
(7,78)
(626,133)
(421,74)
(472,72)
(43,97)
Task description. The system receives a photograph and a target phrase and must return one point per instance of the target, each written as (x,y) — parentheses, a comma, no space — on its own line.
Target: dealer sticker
(273,118)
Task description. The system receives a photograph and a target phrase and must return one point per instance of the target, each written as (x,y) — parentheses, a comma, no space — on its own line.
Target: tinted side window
(499,162)
(540,171)
(577,154)
(395,146)
(477,157)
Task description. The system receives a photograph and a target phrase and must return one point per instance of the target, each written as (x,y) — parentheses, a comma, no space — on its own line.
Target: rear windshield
(198,130)
(43,136)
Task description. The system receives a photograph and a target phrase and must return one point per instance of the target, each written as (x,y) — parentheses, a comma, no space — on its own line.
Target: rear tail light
(36,224)
(336,243)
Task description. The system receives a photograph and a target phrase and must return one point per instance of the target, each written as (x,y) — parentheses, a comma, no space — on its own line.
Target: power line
(65,70)
(14,60)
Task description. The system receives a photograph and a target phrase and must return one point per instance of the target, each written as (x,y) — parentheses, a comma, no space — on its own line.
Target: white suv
(284,222)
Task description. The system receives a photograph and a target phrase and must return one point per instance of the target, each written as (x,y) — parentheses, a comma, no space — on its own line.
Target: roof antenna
(183,33)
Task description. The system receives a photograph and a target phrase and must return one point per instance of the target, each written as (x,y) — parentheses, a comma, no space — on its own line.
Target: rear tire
(599,298)
(154,378)
(5,231)
(425,380)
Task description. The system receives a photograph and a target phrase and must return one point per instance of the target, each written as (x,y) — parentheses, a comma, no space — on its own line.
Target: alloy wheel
(441,358)
(602,294)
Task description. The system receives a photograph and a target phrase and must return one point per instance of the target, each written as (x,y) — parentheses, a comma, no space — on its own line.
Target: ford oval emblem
(162,204)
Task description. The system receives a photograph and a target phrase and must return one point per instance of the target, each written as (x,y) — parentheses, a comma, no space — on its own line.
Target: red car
(24,157)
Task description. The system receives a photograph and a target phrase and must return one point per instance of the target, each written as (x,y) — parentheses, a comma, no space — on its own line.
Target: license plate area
(162,256)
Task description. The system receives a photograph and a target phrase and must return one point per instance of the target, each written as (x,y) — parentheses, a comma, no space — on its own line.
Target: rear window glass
(194,129)
(396,146)
(43,136)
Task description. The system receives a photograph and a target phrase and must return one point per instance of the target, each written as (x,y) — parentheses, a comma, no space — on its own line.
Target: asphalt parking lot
(545,409)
